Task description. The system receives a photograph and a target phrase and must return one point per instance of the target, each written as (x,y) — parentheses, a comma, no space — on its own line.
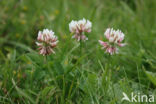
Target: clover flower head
(78,28)
(46,42)
(114,39)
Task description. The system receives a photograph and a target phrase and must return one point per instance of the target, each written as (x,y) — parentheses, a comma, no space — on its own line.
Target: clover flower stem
(80,48)
(45,59)
(112,85)
(81,51)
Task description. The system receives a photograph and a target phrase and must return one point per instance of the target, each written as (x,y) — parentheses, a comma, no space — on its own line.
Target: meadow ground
(70,76)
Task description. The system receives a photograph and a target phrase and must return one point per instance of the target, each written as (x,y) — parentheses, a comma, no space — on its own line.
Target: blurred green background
(67,77)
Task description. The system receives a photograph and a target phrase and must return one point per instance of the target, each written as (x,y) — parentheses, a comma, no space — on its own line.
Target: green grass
(68,77)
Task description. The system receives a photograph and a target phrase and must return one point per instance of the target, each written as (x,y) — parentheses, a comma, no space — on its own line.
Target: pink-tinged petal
(107,33)
(121,38)
(101,42)
(84,38)
(89,30)
(53,44)
(43,51)
(104,44)
(77,31)
(39,44)
(49,50)
(121,44)
(107,36)
(108,50)
(80,37)
(39,36)
(82,28)
(76,36)
(45,38)
(111,50)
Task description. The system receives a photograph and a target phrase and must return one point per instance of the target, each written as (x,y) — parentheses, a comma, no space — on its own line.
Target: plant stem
(112,85)
(80,47)
(45,59)
(80,50)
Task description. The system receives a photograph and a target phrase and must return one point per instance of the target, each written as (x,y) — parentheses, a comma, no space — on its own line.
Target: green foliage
(71,77)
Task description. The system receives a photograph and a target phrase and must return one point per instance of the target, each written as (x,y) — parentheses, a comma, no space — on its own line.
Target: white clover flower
(79,27)
(114,37)
(46,42)
(73,26)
